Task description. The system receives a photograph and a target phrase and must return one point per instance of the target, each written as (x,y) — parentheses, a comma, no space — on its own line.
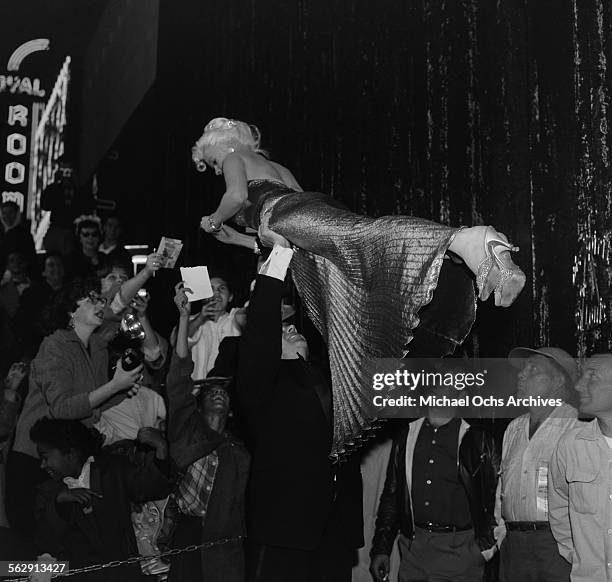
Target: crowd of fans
(117,442)
(204,456)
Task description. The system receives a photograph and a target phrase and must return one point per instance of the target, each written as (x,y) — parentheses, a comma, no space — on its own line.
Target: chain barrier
(135,559)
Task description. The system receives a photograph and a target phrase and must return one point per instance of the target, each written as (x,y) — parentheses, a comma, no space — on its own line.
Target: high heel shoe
(510,279)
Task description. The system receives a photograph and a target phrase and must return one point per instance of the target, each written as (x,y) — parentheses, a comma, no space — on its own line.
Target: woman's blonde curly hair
(222,130)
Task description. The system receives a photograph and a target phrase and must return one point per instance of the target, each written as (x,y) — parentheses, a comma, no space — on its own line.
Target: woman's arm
(121,300)
(236,193)
(150,343)
(62,383)
(131,286)
(230,236)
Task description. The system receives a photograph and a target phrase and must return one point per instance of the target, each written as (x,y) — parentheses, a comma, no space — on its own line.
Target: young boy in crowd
(83,511)
(208,328)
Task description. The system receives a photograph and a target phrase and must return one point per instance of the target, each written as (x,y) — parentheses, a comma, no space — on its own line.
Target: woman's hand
(127,380)
(154,263)
(227,235)
(181,300)
(209,225)
(140,304)
(268,237)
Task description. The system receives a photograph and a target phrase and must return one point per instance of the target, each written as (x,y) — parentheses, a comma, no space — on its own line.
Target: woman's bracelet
(214,227)
(256,248)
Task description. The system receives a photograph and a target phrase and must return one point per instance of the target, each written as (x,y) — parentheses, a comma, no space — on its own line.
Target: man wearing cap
(529,551)
(580,489)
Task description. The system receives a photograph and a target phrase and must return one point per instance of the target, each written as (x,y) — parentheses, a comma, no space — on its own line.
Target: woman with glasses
(69,379)
(87,261)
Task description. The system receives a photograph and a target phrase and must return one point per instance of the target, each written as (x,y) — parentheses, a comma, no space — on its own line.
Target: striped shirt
(525,462)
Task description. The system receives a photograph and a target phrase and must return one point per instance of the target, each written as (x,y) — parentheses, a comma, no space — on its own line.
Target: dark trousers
(441,557)
(330,562)
(222,563)
(23,476)
(532,556)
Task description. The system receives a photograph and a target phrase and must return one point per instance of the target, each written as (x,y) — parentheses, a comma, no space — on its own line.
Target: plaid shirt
(194,490)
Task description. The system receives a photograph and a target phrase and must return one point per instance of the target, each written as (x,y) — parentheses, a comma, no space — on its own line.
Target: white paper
(197,279)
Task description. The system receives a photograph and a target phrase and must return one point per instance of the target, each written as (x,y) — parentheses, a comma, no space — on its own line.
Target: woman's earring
(231,150)
(71,322)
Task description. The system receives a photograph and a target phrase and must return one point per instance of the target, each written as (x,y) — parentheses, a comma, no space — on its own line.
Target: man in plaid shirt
(210,495)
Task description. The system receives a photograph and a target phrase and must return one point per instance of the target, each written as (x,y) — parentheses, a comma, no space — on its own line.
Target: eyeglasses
(89,234)
(94,298)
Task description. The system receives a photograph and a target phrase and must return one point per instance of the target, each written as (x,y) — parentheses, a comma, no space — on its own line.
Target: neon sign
(21,86)
(22,96)
(48,147)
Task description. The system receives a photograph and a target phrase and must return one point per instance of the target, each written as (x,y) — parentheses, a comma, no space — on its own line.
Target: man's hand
(379,568)
(209,309)
(44,576)
(181,300)
(81,496)
(268,237)
(155,439)
(154,263)
(17,372)
(240,317)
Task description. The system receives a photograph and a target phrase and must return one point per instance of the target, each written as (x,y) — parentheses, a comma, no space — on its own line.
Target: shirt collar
(590,431)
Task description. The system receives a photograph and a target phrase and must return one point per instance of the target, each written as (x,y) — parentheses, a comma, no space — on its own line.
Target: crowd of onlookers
(213,443)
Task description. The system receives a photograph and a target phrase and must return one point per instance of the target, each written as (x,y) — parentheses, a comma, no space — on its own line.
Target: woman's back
(259,168)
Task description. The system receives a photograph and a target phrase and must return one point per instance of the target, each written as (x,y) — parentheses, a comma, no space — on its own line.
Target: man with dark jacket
(209,502)
(439,495)
(304,513)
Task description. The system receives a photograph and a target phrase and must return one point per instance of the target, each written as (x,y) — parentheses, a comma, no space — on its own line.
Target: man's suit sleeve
(260,345)
(388,517)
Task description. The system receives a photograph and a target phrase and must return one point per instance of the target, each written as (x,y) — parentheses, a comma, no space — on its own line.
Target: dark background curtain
(463,111)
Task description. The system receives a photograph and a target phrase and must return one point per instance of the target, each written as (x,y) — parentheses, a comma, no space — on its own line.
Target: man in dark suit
(304,513)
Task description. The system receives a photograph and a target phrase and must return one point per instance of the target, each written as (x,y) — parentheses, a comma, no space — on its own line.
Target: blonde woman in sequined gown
(362,280)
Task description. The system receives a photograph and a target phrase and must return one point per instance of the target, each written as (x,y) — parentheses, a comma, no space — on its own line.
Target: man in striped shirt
(529,551)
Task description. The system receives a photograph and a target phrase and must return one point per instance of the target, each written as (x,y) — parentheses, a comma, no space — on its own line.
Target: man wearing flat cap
(528,550)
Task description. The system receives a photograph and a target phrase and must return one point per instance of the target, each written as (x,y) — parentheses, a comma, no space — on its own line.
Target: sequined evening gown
(362,281)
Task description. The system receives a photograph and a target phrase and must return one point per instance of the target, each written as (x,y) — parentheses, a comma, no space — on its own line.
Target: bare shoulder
(286,176)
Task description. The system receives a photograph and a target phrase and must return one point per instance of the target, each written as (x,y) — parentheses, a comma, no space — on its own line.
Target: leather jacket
(479,462)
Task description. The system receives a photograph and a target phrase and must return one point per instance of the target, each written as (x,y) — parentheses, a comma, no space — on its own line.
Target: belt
(440,528)
(527,525)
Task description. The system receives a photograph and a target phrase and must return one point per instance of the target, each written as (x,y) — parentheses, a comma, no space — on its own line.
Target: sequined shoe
(497,272)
